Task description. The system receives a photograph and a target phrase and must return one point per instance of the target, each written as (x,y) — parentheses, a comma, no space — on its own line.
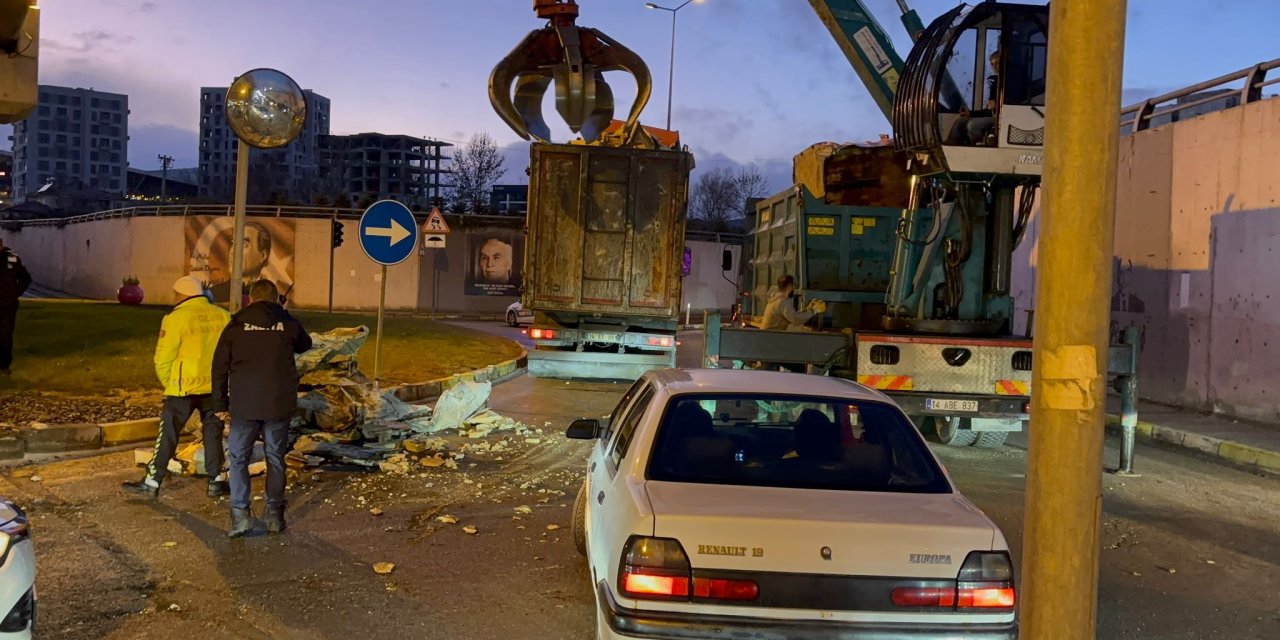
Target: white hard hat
(188,286)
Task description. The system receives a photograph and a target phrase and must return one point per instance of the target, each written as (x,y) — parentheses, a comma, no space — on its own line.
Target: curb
(1236,452)
(432,388)
(65,438)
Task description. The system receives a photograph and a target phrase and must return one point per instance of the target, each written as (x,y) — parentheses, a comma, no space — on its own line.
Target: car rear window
(795,442)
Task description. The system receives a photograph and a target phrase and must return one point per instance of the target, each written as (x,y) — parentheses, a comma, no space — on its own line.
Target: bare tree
(477,166)
(721,195)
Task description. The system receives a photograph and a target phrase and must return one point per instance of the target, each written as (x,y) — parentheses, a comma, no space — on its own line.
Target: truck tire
(991,439)
(580,520)
(953,432)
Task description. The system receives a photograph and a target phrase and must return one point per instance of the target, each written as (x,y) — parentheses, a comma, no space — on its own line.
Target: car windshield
(771,440)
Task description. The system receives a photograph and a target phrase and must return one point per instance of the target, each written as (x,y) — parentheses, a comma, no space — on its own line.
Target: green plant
(131,281)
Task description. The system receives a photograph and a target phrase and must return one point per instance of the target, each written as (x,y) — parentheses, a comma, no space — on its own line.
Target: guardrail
(1138,117)
(265,211)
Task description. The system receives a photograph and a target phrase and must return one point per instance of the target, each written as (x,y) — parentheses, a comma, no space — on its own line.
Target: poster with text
(494,258)
(268,252)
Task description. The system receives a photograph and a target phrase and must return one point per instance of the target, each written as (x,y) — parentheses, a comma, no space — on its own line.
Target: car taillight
(658,569)
(659,341)
(985,581)
(542,334)
(723,589)
(655,568)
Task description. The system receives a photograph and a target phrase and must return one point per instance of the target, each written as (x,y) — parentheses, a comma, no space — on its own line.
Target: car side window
(627,428)
(616,415)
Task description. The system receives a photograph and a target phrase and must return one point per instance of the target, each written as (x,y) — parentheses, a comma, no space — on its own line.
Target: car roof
(681,381)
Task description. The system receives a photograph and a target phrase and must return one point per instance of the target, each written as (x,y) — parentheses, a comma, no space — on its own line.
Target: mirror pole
(237,243)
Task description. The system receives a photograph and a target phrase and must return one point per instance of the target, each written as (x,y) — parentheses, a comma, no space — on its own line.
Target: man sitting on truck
(780,313)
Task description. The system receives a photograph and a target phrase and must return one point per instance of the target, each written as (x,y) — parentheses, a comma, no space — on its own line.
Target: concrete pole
(1064,462)
(237,242)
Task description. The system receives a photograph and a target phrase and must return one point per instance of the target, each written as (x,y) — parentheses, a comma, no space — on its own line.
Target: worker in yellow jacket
(184,364)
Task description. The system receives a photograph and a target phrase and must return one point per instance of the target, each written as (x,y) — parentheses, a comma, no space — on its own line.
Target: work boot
(146,486)
(217,488)
(241,523)
(275,519)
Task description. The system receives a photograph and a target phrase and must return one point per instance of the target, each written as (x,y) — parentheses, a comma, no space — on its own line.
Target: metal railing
(1139,117)
(263,211)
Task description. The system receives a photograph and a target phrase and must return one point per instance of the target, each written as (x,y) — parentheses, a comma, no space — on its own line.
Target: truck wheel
(991,439)
(580,520)
(953,432)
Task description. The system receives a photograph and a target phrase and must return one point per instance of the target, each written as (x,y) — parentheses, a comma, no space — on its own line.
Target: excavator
(909,245)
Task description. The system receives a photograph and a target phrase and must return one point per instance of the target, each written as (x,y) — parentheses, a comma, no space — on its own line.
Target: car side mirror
(583,430)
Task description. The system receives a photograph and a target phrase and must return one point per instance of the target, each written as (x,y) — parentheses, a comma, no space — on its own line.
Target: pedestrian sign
(388,232)
(435,223)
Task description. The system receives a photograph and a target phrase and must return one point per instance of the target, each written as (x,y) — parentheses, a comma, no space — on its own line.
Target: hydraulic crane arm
(867,46)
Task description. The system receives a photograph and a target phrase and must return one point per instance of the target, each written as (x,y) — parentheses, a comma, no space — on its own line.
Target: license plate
(949,404)
(602,337)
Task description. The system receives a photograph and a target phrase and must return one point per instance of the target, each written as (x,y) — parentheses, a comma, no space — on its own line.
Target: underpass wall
(1197,244)
(89,259)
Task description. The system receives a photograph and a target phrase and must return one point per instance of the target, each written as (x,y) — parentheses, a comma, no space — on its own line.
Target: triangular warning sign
(435,223)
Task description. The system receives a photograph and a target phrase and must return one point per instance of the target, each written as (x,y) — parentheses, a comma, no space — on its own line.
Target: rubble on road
(345,418)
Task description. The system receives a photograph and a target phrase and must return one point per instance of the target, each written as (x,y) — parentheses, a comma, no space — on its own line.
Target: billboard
(494,259)
(268,252)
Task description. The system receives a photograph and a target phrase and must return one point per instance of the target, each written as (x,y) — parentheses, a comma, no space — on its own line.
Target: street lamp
(670,74)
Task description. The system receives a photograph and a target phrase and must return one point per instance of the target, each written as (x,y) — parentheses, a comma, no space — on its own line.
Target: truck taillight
(542,334)
(658,569)
(659,341)
(985,582)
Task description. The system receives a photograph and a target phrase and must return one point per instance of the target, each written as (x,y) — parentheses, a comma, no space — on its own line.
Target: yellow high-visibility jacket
(184,353)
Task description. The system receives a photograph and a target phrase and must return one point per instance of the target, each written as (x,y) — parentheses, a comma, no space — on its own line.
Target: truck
(604,251)
(909,241)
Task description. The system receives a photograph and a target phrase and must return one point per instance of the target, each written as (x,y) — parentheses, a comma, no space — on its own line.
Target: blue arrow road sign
(388,232)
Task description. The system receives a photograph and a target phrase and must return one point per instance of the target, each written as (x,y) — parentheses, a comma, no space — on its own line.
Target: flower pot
(130,294)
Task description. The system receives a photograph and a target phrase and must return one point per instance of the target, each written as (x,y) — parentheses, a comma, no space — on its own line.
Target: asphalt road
(1190,550)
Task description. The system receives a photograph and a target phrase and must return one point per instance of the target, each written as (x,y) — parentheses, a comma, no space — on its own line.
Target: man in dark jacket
(256,381)
(14,281)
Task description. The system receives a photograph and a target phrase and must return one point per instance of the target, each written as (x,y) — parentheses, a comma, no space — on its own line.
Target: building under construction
(367,167)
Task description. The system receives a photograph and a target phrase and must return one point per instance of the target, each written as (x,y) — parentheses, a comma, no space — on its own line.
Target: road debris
(524,509)
(375,511)
(169,545)
(447,519)
(383,568)
(470,529)
(36,478)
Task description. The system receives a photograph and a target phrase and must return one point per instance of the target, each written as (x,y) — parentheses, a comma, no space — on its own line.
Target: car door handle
(593,467)
(600,497)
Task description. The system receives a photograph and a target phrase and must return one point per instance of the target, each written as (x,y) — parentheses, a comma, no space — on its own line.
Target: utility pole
(165,161)
(1068,388)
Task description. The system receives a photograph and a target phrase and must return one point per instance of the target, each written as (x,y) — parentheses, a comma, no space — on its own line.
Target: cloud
(147,7)
(89,42)
(714,123)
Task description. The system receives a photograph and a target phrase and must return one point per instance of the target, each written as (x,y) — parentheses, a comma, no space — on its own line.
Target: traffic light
(336,233)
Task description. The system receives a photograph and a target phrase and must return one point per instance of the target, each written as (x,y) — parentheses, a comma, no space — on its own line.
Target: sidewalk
(1251,445)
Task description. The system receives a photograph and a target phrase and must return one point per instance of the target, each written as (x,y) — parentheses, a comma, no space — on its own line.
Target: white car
(755,504)
(17,574)
(516,315)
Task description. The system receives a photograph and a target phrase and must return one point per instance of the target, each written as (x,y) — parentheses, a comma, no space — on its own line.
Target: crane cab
(971,99)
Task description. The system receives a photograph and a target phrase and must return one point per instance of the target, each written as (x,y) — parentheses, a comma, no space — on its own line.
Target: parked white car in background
(17,574)
(754,504)
(516,315)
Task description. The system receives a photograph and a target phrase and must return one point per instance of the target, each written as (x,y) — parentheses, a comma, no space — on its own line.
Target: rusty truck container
(603,255)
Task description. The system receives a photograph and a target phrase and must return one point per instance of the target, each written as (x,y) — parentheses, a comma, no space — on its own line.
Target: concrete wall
(1197,242)
(91,258)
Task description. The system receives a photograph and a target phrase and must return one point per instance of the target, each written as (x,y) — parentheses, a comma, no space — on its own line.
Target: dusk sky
(756,80)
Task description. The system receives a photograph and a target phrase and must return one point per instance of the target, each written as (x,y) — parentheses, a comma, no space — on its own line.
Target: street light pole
(671,74)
